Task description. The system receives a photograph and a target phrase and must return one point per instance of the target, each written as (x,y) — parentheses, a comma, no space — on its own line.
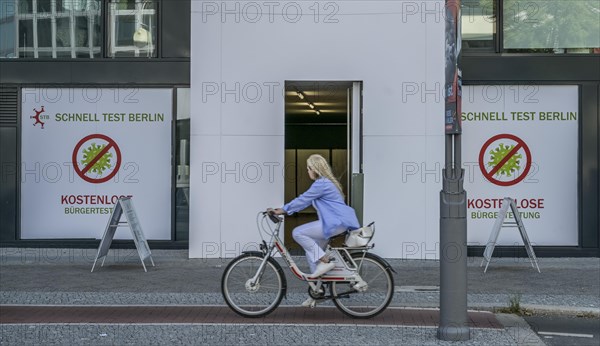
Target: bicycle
(253,284)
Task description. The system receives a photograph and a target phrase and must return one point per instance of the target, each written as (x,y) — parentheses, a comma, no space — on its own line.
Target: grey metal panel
(176,28)
(8,106)
(96,72)
(9,170)
(339,165)
(589,176)
(290,175)
(8,183)
(358,188)
(530,69)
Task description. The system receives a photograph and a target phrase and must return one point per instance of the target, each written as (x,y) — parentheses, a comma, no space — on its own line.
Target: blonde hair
(320,166)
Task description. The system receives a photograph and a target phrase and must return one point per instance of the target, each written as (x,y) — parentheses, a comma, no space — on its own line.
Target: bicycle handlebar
(272,216)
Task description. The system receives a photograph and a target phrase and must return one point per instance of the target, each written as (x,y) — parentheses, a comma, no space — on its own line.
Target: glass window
(63,37)
(132,28)
(25,6)
(182,168)
(8,35)
(44,32)
(26,33)
(50,28)
(43,6)
(478,24)
(551,26)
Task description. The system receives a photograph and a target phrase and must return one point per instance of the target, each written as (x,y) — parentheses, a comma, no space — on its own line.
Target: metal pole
(453,198)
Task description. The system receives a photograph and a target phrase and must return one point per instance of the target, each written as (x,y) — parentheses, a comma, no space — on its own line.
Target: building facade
(213,107)
(73,61)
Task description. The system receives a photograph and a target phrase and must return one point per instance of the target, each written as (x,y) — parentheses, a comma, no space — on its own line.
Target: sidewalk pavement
(62,277)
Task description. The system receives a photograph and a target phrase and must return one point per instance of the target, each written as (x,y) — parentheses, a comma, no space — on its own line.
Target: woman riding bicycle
(335,217)
(253,284)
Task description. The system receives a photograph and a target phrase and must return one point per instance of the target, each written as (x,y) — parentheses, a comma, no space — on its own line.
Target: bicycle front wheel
(250,293)
(378,294)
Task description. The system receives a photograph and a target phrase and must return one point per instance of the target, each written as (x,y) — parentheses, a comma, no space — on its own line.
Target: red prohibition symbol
(82,171)
(519,144)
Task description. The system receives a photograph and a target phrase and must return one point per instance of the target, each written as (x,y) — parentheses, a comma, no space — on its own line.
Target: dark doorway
(317,121)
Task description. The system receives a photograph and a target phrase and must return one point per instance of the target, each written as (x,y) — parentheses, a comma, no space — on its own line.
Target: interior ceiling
(329,97)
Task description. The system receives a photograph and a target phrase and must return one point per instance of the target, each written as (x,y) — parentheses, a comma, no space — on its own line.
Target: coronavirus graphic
(90,154)
(512,165)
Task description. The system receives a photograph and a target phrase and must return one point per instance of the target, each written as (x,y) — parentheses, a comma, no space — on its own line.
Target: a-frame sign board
(500,223)
(124,205)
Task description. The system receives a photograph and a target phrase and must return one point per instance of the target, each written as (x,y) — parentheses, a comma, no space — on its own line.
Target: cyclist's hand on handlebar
(276,211)
(272,214)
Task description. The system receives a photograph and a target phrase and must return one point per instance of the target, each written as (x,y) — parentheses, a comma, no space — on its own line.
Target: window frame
(53,15)
(494,49)
(110,23)
(498,37)
(101,19)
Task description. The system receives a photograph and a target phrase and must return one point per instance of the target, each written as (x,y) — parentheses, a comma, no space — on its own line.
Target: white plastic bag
(360,237)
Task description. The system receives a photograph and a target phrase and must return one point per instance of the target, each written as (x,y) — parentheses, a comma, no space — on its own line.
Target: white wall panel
(375,42)
(251,181)
(391,198)
(205,197)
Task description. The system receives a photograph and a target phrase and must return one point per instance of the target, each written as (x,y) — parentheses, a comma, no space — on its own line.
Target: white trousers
(310,236)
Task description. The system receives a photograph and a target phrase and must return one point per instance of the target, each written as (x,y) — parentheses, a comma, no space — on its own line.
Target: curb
(534,308)
(561,309)
(542,309)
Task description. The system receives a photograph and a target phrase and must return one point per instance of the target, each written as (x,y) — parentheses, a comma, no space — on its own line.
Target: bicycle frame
(345,269)
(242,281)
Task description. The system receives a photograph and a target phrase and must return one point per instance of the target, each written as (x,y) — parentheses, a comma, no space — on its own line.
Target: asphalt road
(566,330)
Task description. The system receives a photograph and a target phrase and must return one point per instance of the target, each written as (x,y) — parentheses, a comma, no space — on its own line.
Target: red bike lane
(152,314)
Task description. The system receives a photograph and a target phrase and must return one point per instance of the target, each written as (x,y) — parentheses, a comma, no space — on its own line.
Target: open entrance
(321,117)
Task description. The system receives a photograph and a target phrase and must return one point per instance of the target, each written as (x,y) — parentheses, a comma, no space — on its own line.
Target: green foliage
(551,24)
(514,304)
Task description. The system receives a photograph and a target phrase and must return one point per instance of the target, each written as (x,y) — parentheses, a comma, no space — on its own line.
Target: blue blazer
(327,199)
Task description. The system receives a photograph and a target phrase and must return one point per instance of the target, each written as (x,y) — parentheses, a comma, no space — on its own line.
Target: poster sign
(83,149)
(520,141)
(453,81)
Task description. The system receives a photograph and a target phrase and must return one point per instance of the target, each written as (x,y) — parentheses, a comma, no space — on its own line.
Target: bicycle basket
(360,237)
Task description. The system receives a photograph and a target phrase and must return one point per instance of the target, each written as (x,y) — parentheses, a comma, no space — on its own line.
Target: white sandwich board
(500,223)
(124,205)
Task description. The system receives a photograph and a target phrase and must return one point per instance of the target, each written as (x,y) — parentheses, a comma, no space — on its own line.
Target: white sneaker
(322,268)
(309,303)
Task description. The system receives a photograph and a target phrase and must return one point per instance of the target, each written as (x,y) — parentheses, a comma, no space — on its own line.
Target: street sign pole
(453,198)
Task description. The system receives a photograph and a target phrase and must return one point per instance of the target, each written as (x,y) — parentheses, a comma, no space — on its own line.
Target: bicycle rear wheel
(378,294)
(253,299)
